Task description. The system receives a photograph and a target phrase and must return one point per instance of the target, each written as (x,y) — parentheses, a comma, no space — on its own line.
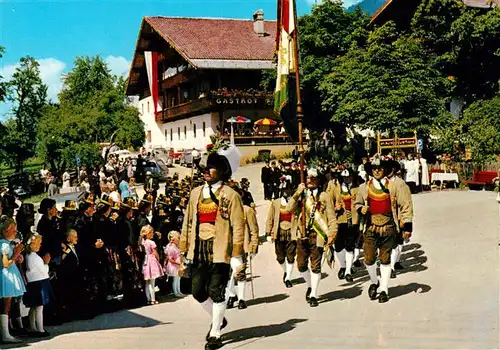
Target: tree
(328,32)
(386,85)
(28,95)
(3,87)
(464,43)
(88,117)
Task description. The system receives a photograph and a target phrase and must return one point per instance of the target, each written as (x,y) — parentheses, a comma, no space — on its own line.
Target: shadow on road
(256,332)
(350,293)
(268,300)
(117,320)
(399,291)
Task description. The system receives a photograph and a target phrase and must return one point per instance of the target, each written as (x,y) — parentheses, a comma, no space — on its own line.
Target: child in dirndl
(151,268)
(11,281)
(173,262)
(39,289)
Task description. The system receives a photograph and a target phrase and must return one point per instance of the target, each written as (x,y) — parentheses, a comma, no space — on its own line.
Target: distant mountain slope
(370,6)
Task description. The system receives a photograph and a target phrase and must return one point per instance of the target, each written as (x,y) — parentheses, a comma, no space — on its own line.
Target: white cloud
(118,65)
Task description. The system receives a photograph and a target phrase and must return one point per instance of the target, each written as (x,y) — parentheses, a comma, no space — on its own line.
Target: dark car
(25,184)
(158,169)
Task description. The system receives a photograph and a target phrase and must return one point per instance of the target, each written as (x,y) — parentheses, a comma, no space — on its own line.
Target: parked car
(122,154)
(25,184)
(176,155)
(187,158)
(163,154)
(158,169)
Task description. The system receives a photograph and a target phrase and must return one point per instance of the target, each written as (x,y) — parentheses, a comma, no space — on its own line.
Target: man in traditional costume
(347,219)
(251,248)
(320,230)
(334,192)
(281,226)
(213,237)
(385,204)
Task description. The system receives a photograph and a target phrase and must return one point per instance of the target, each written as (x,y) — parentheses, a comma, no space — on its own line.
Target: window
(166,135)
(171,135)
(148,106)
(204,131)
(142,108)
(178,133)
(185,132)
(194,130)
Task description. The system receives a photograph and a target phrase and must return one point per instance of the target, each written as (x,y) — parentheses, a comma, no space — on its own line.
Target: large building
(203,72)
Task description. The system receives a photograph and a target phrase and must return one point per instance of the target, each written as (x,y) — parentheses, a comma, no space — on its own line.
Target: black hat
(46,204)
(147,199)
(69,205)
(9,201)
(216,161)
(105,199)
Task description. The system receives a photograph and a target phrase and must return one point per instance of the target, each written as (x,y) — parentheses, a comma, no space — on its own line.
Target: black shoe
(372,291)
(231,301)
(357,263)
(341,273)
(224,324)
(383,298)
(313,302)
(37,334)
(308,293)
(349,278)
(213,343)
(288,284)
(398,266)
(242,305)
(393,274)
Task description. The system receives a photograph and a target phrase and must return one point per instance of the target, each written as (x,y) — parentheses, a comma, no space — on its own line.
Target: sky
(55,32)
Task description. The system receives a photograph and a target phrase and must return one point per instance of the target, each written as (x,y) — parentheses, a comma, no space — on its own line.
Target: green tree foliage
(385,85)
(88,116)
(28,96)
(464,44)
(325,34)
(3,87)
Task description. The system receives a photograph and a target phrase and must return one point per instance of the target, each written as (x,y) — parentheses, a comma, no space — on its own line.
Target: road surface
(446,298)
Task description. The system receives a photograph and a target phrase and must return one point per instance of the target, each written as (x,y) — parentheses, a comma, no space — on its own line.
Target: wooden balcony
(184,109)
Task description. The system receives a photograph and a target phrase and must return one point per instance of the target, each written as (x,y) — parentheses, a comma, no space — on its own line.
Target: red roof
(207,38)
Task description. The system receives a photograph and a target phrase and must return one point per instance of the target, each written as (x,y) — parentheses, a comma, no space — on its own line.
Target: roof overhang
(232,64)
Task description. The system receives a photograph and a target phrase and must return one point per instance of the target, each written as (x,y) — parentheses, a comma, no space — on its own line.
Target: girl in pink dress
(152,268)
(173,261)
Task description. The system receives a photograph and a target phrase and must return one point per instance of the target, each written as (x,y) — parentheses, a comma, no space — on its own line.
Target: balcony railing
(184,109)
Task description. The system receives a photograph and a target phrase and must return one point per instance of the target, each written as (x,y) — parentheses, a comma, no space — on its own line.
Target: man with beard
(389,209)
(281,226)
(213,237)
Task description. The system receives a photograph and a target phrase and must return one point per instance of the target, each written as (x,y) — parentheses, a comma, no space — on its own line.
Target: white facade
(188,133)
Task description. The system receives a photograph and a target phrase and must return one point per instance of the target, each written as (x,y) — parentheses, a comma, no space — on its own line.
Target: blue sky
(56,32)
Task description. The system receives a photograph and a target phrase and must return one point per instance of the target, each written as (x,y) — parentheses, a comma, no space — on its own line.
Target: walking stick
(251,276)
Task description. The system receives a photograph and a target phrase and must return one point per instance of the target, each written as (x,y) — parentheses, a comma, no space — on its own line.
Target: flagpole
(300,113)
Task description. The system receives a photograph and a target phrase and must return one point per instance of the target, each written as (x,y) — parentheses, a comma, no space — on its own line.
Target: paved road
(447,297)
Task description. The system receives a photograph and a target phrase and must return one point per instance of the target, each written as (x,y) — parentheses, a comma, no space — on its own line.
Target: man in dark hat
(213,236)
(151,186)
(281,226)
(320,231)
(388,208)
(265,179)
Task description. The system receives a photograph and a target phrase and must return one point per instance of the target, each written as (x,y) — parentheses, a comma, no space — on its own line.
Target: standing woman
(11,282)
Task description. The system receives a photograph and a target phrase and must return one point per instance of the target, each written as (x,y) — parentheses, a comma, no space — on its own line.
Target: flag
(151,59)
(284,95)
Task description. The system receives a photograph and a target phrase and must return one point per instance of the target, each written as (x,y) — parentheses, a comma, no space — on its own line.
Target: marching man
(251,245)
(385,204)
(281,226)
(213,236)
(321,230)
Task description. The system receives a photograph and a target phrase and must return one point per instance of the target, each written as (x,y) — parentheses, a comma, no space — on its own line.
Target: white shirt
(215,188)
(284,202)
(314,193)
(36,270)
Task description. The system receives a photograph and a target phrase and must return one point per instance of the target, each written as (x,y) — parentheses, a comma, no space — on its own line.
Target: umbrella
(265,121)
(239,119)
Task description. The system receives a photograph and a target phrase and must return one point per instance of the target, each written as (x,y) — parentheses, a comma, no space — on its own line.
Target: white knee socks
(176,286)
(372,271)
(315,279)
(231,292)
(400,250)
(4,320)
(241,290)
(39,318)
(349,259)
(341,258)
(149,289)
(207,305)
(394,257)
(289,270)
(218,310)
(385,274)
(307,277)
(356,253)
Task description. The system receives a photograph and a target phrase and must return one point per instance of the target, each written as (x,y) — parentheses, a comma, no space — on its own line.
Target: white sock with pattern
(385,274)
(218,310)
(349,259)
(340,256)
(372,271)
(241,290)
(307,277)
(289,270)
(315,279)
